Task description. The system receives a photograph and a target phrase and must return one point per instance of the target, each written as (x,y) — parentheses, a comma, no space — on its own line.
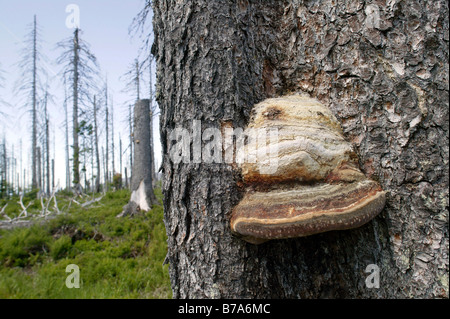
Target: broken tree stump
(142,195)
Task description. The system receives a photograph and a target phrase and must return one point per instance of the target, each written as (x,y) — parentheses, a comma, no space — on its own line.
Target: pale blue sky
(104,24)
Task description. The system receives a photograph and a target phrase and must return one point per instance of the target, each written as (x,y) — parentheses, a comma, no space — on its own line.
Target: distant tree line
(91,162)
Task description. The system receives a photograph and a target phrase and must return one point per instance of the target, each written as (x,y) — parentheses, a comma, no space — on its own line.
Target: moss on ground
(117,257)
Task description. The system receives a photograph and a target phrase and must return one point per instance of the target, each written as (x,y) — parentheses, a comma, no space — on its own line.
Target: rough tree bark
(381,67)
(142,195)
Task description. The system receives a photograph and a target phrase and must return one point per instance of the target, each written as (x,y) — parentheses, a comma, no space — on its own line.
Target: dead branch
(92,201)
(48,204)
(24,209)
(55,205)
(2,212)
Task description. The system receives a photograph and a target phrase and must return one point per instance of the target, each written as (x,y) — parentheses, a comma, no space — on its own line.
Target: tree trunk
(130,116)
(382,68)
(68,186)
(84,168)
(4,175)
(33,111)
(47,145)
(107,150)
(12,168)
(142,196)
(76,148)
(107,137)
(53,173)
(97,155)
(38,166)
(112,140)
(152,114)
(22,185)
(120,159)
(92,149)
(43,169)
(103,162)
(137,80)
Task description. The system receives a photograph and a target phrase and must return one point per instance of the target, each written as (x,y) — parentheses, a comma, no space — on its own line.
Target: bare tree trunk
(120,158)
(47,145)
(84,169)
(137,80)
(21,185)
(38,166)
(53,173)
(126,178)
(112,140)
(34,118)
(12,168)
(104,169)
(76,148)
(4,170)
(382,68)
(152,114)
(43,169)
(93,179)
(142,196)
(97,156)
(68,185)
(131,138)
(107,150)
(107,137)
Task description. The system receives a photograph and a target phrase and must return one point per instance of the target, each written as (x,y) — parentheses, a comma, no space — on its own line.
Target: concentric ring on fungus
(316,186)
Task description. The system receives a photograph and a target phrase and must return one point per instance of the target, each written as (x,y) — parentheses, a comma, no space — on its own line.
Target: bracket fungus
(315,184)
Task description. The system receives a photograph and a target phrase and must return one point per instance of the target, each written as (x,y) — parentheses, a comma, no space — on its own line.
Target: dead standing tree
(383,71)
(106,137)
(46,140)
(141,27)
(79,69)
(66,135)
(95,148)
(132,80)
(30,84)
(142,196)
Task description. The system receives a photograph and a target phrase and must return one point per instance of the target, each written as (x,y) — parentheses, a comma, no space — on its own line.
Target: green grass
(117,257)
